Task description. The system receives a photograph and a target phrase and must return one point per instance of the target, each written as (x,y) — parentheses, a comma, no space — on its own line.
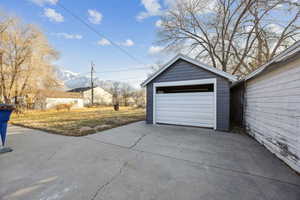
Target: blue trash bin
(5,112)
(4,118)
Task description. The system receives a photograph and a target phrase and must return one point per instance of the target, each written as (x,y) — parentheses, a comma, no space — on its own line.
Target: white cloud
(95,17)
(171,3)
(158,23)
(103,42)
(152,7)
(210,7)
(204,8)
(68,36)
(278,6)
(53,15)
(275,28)
(106,42)
(248,28)
(43,2)
(127,43)
(155,50)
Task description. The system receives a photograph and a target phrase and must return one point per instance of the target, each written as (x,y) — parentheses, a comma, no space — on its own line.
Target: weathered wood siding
(183,71)
(272,111)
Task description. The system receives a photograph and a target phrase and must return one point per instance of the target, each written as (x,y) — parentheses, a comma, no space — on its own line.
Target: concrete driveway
(140,161)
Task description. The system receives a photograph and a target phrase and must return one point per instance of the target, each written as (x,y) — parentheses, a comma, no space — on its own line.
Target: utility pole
(92,82)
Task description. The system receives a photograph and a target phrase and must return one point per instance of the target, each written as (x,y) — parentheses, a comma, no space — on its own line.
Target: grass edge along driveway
(78,122)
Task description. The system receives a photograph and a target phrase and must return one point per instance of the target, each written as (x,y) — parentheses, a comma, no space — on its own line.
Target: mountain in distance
(73,80)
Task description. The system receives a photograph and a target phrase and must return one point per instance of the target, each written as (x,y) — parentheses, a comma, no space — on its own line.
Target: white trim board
(190,82)
(195,62)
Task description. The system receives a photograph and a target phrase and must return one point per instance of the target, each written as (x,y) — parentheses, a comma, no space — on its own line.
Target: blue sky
(130,23)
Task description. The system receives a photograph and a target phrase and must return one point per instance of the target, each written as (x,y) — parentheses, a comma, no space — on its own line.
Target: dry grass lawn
(78,122)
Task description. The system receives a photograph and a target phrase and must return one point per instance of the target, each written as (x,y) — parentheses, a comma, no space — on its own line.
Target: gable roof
(288,53)
(81,89)
(84,89)
(192,61)
(59,94)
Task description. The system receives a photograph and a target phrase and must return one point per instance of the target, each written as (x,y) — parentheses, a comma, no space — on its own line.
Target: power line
(126,79)
(133,78)
(122,70)
(99,33)
(111,41)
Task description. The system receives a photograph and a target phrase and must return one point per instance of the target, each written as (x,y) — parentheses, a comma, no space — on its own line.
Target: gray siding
(183,71)
(223,104)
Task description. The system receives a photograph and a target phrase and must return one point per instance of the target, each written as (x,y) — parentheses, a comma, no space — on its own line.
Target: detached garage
(187,92)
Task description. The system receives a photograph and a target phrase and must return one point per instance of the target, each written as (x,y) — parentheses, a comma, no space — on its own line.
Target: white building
(101,96)
(50,99)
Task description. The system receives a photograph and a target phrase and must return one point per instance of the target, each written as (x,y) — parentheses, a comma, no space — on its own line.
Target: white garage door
(192,109)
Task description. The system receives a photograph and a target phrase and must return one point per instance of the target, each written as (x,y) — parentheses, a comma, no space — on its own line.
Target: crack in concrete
(109,181)
(196,163)
(43,163)
(52,155)
(137,141)
(107,143)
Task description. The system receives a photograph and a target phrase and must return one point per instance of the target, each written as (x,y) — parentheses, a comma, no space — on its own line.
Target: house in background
(101,96)
(47,99)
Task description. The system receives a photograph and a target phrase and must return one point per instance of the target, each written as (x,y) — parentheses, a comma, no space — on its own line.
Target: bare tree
(139,97)
(115,90)
(5,21)
(26,60)
(126,92)
(155,67)
(233,35)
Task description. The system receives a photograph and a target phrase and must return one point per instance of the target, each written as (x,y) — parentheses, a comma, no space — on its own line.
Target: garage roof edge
(193,61)
(286,54)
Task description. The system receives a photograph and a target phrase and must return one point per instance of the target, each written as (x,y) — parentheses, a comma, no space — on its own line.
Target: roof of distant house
(81,89)
(60,94)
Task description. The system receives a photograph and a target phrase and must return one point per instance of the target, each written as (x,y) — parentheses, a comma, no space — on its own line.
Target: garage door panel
(180,107)
(189,111)
(184,103)
(193,109)
(186,120)
(204,109)
(186,123)
(189,115)
(191,94)
(192,98)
